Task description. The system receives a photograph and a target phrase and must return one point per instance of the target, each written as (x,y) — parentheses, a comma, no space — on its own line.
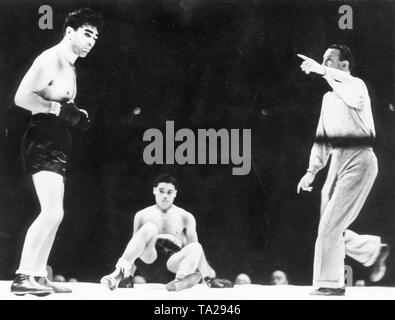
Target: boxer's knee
(149,231)
(195,247)
(52,216)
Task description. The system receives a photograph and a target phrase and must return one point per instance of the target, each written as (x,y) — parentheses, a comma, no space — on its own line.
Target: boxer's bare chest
(169,223)
(61,84)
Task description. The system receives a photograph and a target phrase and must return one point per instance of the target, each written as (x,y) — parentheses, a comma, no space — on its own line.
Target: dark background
(203,64)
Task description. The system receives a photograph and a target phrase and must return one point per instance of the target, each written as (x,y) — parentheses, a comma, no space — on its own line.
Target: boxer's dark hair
(166,178)
(345,54)
(81,17)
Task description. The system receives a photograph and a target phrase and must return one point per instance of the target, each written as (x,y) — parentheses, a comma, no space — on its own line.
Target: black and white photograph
(210,151)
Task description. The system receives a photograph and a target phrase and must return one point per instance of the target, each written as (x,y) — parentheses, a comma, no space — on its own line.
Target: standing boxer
(48,90)
(345,131)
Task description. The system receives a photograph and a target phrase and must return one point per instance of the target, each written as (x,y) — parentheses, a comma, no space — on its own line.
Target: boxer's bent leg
(142,245)
(204,268)
(40,236)
(39,239)
(187,260)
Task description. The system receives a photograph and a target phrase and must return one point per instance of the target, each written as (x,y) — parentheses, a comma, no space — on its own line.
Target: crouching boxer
(164,247)
(48,91)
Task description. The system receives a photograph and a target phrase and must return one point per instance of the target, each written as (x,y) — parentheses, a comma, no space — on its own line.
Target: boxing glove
(84,122)
(70,114)
(218,283)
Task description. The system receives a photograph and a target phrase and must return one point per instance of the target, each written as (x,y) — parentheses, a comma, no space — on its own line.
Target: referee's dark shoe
(329,292)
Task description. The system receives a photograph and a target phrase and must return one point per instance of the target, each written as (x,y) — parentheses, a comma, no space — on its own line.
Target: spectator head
(139,279)
(59,278)
(242,278)
(360,283)
(278,277)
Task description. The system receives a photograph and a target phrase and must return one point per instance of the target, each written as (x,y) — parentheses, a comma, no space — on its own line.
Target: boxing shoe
(56,288)
(329,292)
(218,283)
(26,284)
(112,282)
(126,282)
(379,267)
(184,283)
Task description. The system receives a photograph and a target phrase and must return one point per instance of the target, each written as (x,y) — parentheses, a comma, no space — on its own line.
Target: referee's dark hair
(345,54)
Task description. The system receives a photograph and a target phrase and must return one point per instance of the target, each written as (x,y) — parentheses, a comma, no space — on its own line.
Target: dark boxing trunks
(45,145)
(157,271)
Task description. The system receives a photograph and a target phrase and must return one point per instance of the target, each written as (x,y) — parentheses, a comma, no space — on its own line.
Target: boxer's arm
(137,222)
(84,122)
(75,92)
(33,83)
(190,229)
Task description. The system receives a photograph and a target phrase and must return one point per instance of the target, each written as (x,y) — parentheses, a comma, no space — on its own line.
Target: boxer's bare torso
(173,224)
(52,77)
(60,76)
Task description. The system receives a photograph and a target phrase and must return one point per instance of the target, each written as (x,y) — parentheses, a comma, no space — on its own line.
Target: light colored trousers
(350,178)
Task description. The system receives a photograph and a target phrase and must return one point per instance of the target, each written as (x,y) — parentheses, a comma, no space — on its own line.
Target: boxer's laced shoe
(185,282)
(56,288)
(112,281)
(126,282)
(25,284)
